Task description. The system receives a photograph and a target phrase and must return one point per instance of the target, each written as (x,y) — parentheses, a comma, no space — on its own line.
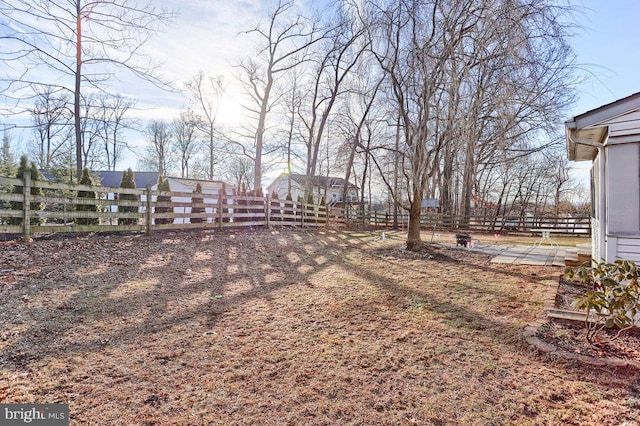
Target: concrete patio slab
(531,255)
(523,255)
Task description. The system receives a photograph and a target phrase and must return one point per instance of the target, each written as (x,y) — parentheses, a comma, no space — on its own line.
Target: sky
(607,46)
(205,36)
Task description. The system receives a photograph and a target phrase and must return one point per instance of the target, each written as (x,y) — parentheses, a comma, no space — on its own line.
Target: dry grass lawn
(286,327)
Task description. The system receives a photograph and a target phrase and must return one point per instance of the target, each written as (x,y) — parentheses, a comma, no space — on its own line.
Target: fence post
(149,215)
(221,193)
(26,206)
(267,210)
(302,213)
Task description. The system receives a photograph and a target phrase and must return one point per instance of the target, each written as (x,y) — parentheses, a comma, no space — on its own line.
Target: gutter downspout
(601,178)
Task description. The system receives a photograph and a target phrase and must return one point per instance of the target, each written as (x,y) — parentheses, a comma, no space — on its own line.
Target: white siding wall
(628,248)
(625,124)
(623,189)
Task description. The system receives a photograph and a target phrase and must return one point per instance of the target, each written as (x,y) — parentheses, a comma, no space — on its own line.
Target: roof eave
(606,112)
(586,151)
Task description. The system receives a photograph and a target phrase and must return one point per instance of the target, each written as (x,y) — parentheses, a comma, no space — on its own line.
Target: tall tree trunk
(413,235)
(257,168)
(467,183)
(76,93)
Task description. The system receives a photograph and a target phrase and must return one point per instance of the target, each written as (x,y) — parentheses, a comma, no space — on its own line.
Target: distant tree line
(456,100)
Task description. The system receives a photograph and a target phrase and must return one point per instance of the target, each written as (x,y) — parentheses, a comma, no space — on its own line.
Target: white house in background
(323,186)
(609,137)
(209,187)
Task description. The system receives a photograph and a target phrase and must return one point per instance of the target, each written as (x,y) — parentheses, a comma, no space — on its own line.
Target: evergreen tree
(17,205)
(128,181)
(196,198)
(163,186)
(7,162)
(242,201)
(309,208)
(7,168)
(288,203)
(276,213)
(258,202)
(323,208)
(225,200)
(87,180)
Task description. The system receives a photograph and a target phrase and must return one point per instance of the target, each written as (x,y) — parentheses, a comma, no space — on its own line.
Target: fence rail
(566,225)
(29,207)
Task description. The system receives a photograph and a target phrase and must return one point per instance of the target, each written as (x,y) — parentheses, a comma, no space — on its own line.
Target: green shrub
(612,296)
(128,181)
(86,180)
(163,186)
(197,198)
(258,204)
(241,202)
(288,203)
(34,206)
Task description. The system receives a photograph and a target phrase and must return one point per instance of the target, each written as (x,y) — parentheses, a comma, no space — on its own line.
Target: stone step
(571,257)
(558,259)
(566,314)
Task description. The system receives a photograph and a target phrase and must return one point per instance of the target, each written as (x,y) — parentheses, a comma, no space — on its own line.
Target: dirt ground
(277,327)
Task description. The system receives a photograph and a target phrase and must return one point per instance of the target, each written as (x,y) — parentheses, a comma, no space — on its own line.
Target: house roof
(47,175)
(321,181)
(430,203)
(113,178)
(205,184)
(591,127)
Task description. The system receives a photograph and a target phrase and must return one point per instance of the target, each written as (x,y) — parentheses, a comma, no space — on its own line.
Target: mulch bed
(571,336)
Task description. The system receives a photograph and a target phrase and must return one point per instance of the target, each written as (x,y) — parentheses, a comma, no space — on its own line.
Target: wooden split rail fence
(46,207)
(579,226)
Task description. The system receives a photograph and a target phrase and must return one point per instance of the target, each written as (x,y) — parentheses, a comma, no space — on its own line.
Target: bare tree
(467,77)
(343,49)
(282,44)
(292,133)
(185,133)
(112,122)
(159,156)
(77,44)
(413,52)
(359,124)
(238,170)
(205,91)
(51,119)
(90,130)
